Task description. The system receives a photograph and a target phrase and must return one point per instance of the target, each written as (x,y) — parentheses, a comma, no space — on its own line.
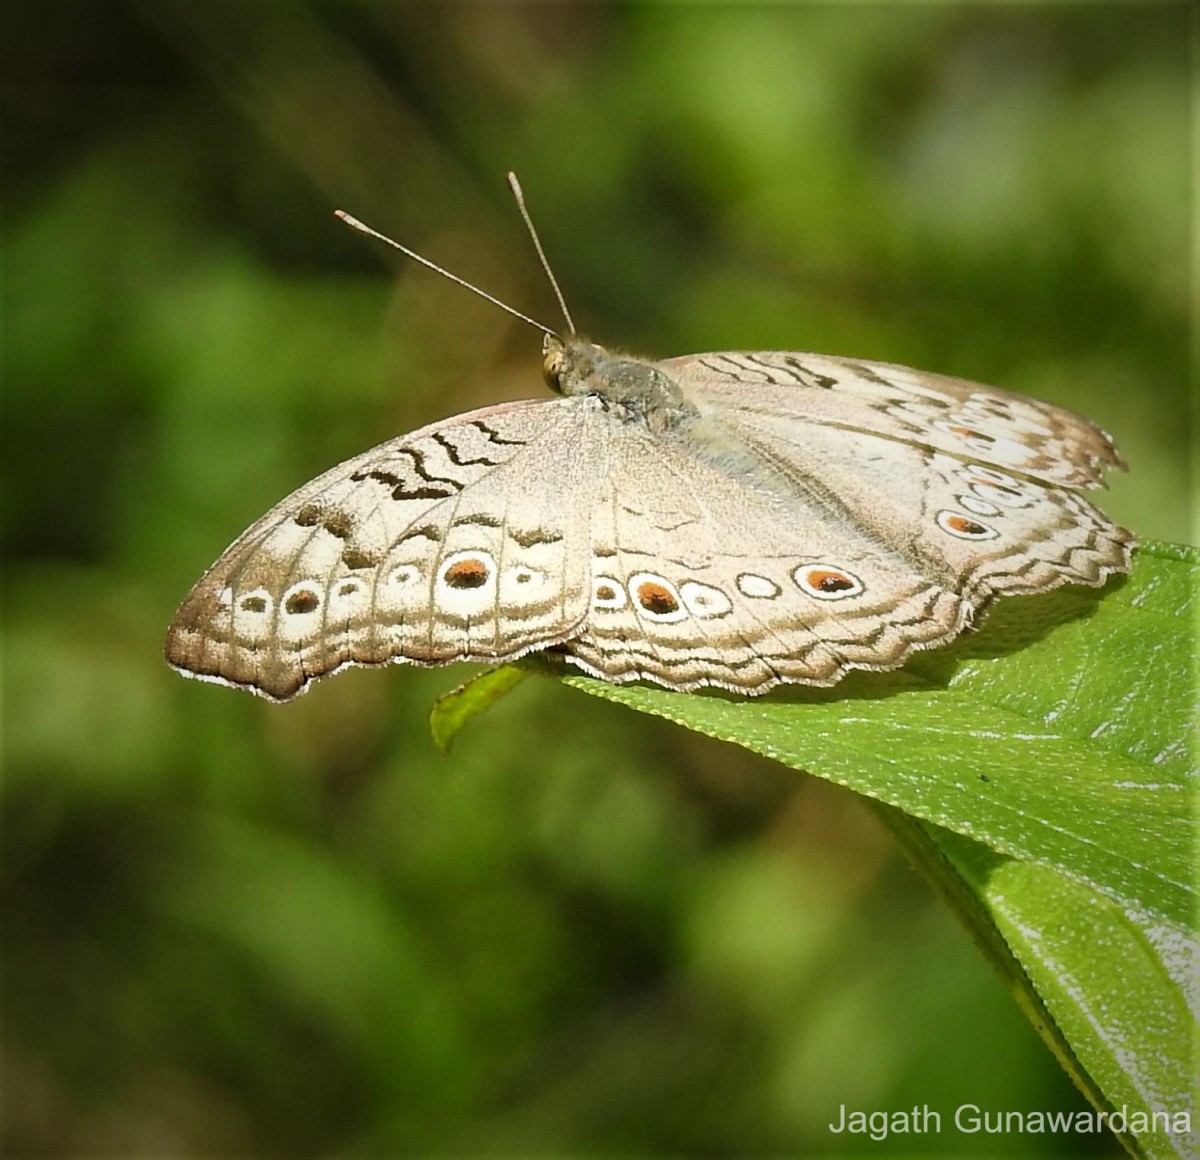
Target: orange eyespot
(467,573)
(964,527)
(299,603)
(657,599)
(971,433)
(828,580)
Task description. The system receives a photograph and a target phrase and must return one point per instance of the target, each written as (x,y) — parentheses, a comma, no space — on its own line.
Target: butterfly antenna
(537,242)
(354,223)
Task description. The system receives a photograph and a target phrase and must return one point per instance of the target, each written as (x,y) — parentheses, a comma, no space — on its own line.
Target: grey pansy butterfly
(736,520)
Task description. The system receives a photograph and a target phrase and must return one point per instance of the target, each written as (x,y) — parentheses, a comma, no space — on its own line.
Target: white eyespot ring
(301,599)
(655,598)
(521,583)
(1004,496)
(257,602)
(403,575)
(757,587)
(466,571)
(977,506)
(703,600)
(608,593)
(963,527)
(827,581)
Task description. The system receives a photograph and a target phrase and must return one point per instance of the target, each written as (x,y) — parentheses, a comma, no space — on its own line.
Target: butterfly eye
(552,368)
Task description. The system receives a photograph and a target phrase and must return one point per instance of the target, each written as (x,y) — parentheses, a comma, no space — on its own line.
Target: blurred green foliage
(231,927)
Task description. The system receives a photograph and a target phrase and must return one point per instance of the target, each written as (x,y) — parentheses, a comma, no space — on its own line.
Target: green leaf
(452,710)
(1051,753)
(1117,1022)
(1058,733)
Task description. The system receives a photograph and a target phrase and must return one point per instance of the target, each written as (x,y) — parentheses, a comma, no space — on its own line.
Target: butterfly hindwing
(702,577)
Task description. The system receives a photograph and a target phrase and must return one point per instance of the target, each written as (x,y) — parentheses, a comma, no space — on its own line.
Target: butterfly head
(573,366)
(567,362)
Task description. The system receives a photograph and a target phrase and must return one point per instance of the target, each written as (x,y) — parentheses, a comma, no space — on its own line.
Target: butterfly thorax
(635,388)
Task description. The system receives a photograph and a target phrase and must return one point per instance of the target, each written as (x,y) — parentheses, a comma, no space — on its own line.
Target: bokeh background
(236,928)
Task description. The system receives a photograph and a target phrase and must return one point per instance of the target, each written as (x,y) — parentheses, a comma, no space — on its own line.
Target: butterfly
(734,520)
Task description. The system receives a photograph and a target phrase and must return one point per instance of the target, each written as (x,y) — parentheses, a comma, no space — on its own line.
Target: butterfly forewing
(454,543)
(956,416)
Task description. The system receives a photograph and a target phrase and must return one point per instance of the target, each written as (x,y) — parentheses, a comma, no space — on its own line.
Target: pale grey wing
(706,577)
(961,418)
(405,553)
(973,528)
